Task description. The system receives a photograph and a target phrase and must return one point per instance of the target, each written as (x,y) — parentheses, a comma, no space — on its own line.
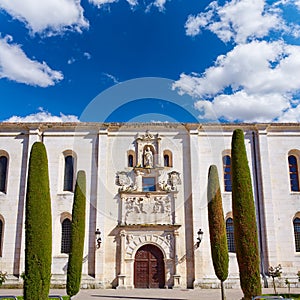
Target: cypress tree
(77,236)
(217,228)
(244,220)
(38,227)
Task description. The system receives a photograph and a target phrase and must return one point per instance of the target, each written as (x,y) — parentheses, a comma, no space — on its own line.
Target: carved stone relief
(164,241)
(149,209)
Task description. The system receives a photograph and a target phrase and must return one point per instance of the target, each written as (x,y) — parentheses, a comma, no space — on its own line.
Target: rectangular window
(3,171)
(149,184)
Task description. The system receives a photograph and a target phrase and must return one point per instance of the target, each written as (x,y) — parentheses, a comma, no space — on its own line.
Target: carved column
(123,210)
(174,208)
(139,153)
(176,277)
(122,276)
(159,154)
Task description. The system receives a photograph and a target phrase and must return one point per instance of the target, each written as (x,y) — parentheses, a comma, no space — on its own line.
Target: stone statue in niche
(148,158)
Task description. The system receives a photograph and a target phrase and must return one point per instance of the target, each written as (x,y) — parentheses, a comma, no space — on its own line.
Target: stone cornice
(111,127)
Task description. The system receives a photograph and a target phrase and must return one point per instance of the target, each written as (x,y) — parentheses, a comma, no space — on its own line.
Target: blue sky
(232,61)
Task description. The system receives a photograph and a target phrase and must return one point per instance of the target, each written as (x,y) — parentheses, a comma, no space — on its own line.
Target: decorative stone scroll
(147,136)
(170,185)
(125,181)
(174,180)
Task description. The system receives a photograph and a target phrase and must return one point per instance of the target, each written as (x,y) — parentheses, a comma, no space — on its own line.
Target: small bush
(3,277)
(275,272)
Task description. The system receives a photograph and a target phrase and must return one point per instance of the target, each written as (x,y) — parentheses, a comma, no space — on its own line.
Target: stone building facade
(146,198)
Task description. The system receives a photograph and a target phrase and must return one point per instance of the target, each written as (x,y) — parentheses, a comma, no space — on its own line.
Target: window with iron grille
(227,173)
(1,237)
(230,235)
(66,236)
(297,233)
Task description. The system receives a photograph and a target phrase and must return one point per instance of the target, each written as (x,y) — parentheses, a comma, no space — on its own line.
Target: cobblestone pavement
(151,294)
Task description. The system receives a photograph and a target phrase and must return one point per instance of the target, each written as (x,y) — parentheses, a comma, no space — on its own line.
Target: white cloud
(111,77)
(87,55)
(243,107)
(289,2)
(159,121)
(54,16)
(257,67)
(43,116)
(100,3)
(194,24)
(260,75)
(160,4)
(71,60)
(16,66)
(133,2)
(291,115)
(238,20)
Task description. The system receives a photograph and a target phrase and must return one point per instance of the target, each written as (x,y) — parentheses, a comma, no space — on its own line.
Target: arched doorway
(149,268)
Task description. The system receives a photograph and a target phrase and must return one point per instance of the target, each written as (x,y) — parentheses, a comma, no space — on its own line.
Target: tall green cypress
(38,227)
(217,228)
(77,236)
(244,220)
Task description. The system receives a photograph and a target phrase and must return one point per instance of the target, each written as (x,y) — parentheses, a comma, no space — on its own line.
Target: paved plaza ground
(151,294)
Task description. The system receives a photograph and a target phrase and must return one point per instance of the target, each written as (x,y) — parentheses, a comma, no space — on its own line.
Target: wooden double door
(149,268)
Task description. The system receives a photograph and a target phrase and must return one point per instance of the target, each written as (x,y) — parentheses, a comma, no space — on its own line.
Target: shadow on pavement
(139,298)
